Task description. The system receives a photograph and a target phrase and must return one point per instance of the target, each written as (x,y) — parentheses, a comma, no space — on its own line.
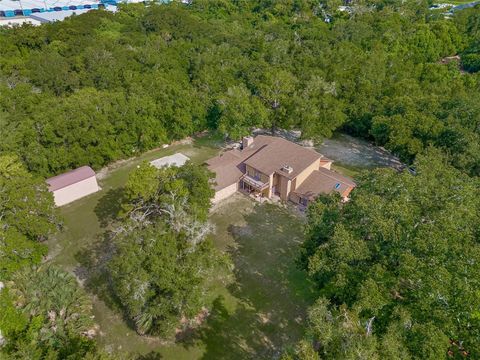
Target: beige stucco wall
(326,165)
(75,191)
(284,187)
(263,178)
(224,193)
(270,188)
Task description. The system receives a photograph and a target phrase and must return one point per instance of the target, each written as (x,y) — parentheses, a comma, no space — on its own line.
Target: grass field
(256,315)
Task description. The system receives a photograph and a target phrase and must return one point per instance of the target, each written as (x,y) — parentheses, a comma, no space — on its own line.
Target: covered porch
(253,186)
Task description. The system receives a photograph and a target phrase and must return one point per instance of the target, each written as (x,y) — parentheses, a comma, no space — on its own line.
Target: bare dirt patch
(356,152)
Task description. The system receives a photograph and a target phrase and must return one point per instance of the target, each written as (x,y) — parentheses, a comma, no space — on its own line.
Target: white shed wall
(75,191)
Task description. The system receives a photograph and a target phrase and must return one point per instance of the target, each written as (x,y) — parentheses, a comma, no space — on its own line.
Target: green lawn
(264,309)
(256,315)
(347,170)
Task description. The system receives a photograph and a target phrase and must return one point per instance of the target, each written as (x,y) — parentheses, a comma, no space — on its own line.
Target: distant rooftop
(52,16)
(27,7)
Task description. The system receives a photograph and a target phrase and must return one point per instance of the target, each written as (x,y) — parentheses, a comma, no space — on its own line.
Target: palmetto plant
(54,296)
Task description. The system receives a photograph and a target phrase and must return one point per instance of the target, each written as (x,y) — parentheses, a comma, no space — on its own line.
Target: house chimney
(247,141)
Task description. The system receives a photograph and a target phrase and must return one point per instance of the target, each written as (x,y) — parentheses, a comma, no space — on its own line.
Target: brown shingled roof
(282,152)
(267,154)
(69,178)
(229,167)
(324,181)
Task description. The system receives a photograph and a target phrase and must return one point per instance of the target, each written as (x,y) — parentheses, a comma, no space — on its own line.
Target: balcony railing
(257,184)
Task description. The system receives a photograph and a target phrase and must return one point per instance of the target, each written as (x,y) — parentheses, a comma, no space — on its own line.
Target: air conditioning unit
(287,168)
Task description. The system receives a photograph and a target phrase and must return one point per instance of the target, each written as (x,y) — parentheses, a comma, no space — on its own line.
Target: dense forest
(396,267)
(104,86)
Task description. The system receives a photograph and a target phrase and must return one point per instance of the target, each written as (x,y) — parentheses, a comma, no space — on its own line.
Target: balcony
(257,184)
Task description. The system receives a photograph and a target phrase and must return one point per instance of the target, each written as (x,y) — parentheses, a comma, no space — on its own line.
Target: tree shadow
(93,271)
(153,355)
(229,335)
(109,206)
(272,293)
(94,274)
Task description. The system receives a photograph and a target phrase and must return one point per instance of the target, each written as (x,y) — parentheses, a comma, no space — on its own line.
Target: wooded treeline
(103,86)
(397,267)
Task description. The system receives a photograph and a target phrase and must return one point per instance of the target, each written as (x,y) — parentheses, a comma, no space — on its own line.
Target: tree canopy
(398,265)
(45,315)
(164,260)
(27,216)
(127,82)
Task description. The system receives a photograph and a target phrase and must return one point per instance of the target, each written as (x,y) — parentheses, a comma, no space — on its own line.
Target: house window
(254,174)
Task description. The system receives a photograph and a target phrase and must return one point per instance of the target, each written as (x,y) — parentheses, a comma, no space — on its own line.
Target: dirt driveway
(358,153)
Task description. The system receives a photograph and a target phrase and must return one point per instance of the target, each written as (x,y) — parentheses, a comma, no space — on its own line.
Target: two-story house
(268,166)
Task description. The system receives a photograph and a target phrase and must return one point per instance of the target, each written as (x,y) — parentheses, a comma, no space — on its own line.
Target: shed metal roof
(69,178)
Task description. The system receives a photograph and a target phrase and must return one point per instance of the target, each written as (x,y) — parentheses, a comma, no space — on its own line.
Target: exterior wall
(304,174)
(275,182)
(267,193)
(346,193)
(263,178)
(270,188)
(251,172)
(326,165)
(294,198)
(225,193)
(10,22)
(75,191)
(284,187)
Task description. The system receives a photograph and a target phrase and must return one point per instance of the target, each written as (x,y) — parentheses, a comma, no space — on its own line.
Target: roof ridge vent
(287,168)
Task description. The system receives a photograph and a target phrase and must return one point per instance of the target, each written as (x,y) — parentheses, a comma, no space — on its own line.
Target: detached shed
(73,185)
